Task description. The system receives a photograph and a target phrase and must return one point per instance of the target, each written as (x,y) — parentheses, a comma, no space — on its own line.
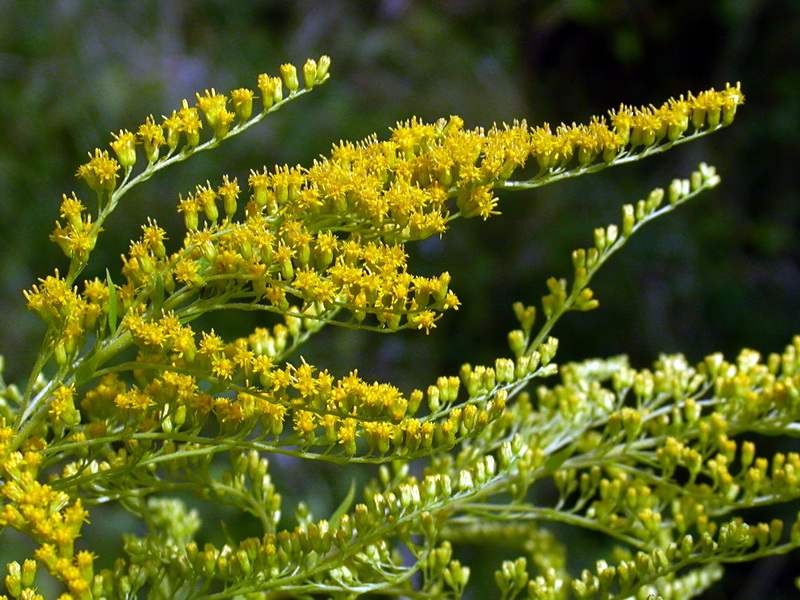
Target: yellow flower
(124,146)
(134,399)
(223,367)
(211,105)
(347,435)
(152,137)
(100,173)
(289,75)
(271,89)
(190,124)
(425,320)
(211,344)
(71,209)
(188,272)
(242,103)
(62,406)
(305,423)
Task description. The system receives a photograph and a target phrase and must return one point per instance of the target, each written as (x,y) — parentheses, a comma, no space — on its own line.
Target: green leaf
(112,304)
(85,372)
(346,503)
(159,299)
(554,463)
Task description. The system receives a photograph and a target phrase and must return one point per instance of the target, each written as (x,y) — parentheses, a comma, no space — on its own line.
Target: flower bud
(310,73)
(289,75)
(628,220)
(14,579)
(600,239)
(517,341)
(124,146)
(242,100)
(322,68)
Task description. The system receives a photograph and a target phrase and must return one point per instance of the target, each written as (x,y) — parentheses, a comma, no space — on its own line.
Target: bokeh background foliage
(721,274)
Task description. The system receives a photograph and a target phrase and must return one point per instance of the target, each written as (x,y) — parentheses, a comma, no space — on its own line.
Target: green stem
(603,256)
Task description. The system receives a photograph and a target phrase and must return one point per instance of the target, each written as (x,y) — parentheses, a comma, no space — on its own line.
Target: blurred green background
(721,274)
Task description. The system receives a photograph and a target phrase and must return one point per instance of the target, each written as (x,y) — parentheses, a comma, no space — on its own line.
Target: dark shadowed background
(721,274)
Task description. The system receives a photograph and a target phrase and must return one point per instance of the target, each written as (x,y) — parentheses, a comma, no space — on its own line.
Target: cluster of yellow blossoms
(329,236)
(315,245)
(48,516)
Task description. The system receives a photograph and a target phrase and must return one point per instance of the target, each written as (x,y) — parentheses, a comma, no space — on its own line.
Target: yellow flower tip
(477,202)
(267,89)
(207,198)
(229,192)
(242,100)
(152,137)
(711,108)
(100,173)
(71,209)
(62,407)
(310,73)
(172,126)
(622,121)
(211,104)
(323,65)
(124,146)
(135,400)
(153,238)
(646,127)
(733,97)
(424,320)
(675,115)
(190,124)
(289,75)
(224,122)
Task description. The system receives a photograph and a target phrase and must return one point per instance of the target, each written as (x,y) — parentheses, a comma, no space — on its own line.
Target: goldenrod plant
(132,404)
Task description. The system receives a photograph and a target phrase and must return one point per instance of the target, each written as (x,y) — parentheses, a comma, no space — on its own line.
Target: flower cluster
(318,240)
(143,400)
(321,410)
(69,314)
(52,518)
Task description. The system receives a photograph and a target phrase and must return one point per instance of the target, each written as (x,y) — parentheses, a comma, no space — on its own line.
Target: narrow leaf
(345,505)
(112,304)
(159,300)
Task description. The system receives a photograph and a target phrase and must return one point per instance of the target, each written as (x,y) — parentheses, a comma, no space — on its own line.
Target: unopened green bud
(504,370)
(429,527)
(612,233)
(644,564)
(517,341)
(600,239)
(628,220)
(578,259)
(124,585)
(677,190)
(585,302)
(456,576)
(14,579)
(592,255)
(433,398)
(695,181)
(548,350)
(627,574)
(505,455)
(323,65)
(361,515)
(794,533)
(775,531)
(29,573)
